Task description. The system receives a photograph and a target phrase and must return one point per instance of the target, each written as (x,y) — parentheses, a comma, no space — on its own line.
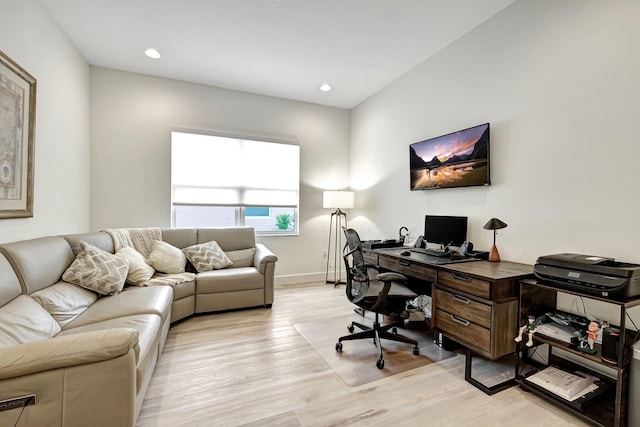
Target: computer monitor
(445,230)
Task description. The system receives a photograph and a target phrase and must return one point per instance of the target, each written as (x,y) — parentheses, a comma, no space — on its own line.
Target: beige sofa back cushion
(9,283)
(180,237)
(23,320)
(99,239)
(229,239)
(39,262)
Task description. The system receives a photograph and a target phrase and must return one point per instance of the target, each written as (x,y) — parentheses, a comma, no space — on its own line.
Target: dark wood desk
(475,303)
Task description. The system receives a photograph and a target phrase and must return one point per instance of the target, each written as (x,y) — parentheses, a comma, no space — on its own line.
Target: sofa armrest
(66,351)
(263,257)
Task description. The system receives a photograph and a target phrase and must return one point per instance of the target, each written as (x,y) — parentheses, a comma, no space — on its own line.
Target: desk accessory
(494,224)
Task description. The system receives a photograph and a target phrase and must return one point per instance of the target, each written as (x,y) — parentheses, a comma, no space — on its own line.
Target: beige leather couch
(89,360)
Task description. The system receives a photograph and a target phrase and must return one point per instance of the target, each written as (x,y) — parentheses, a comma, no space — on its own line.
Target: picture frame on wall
(17,125)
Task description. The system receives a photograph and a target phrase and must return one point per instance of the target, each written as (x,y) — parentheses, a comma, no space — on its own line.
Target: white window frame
(239,210)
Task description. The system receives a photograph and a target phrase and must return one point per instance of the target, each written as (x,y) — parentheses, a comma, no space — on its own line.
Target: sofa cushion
(39,262)
(139,270)
(207,256)
(229,280)
(242,257)
(134,300)
(149,334)
(184,290)
(23,320)
(99,239)
(9,283)
(230,238)
(166,258)
(97,270)
(64,301)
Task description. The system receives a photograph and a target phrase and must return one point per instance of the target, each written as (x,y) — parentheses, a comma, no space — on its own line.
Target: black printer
(589,274)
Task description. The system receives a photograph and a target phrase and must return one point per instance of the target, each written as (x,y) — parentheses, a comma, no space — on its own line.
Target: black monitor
(445,230)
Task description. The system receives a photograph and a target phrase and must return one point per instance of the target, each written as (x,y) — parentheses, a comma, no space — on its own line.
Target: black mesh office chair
(386,294)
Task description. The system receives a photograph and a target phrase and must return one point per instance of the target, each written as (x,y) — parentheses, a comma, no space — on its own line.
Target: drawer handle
(459,320)
(461,299)
(403,262)
(463,278)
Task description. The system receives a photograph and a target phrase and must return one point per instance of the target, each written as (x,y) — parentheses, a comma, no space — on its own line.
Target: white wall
(132,116)
(32,39)
(558,81)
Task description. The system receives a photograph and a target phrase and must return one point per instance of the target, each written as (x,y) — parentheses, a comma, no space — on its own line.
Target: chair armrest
(262,257)
(386,278)
(391,277)
(66,351)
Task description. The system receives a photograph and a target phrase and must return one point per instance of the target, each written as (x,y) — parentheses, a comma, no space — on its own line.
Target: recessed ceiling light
(152,53)
(325,87)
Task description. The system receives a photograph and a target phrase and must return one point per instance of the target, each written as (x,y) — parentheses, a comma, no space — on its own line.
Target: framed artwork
(17,123)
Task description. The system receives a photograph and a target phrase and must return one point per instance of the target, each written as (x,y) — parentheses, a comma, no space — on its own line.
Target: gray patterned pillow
(207,256)
(97,270)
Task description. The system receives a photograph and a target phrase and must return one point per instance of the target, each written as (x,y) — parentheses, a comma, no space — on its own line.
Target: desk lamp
(337,200)
(494,224)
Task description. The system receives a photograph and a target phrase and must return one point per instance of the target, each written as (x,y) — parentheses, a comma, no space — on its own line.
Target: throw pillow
(22,321)
(207,256)
(139,270)
(97,270)
(166,258)
(64,301)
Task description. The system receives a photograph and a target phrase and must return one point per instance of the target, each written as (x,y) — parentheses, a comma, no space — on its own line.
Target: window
(221,181)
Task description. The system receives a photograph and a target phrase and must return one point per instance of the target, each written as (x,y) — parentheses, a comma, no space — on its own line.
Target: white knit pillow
(139,270)
(207,256)
(166,258)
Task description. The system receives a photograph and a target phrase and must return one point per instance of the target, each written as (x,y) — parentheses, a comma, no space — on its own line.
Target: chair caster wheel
(380,363)
(416,351)
(394,330)
(339,346)
(351,328)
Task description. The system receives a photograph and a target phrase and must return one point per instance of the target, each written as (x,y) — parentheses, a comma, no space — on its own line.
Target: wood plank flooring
(252,368)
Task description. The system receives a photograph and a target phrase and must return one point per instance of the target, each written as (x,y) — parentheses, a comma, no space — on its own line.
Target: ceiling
(282,48)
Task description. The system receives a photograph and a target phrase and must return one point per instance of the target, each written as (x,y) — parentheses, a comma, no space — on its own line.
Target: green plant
(284,222)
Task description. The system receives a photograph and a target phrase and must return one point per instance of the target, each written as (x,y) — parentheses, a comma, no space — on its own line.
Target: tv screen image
(458,159)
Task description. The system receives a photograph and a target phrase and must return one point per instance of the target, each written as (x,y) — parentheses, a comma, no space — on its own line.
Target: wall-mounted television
(458,159)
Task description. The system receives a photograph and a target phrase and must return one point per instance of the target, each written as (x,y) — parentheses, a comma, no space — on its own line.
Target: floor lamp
(337,200)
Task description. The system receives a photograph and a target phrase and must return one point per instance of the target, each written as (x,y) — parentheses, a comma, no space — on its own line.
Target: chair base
(377,333)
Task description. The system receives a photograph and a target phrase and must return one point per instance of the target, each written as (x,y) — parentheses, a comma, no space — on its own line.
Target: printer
(590,274)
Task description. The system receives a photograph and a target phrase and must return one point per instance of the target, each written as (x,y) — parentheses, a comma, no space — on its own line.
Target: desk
(475,302)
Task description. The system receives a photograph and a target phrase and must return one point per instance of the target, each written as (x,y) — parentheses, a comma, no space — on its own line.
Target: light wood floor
(252,368)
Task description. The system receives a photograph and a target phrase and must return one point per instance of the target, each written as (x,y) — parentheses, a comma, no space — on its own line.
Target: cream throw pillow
(139,270)
(207,256)
(64,301)
(166,258)
(97,270)
(23,320)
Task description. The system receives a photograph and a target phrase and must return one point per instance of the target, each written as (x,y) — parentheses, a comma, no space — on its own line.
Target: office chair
(386,294)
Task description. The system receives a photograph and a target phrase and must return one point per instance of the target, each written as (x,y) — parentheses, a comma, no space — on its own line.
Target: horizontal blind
(219,171)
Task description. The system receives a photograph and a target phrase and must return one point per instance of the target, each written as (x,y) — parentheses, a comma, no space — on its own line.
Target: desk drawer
(408,267)
(464,331)
(473,311)
(464,283)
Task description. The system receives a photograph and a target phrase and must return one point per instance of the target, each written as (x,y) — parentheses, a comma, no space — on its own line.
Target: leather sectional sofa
(88,358)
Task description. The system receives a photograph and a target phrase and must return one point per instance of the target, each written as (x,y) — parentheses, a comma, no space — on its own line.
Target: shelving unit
(610,408)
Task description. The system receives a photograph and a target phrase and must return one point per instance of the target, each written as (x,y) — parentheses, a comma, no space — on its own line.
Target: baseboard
(300,278)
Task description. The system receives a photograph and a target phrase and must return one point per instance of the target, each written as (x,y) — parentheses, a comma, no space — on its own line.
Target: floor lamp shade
(337,200)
